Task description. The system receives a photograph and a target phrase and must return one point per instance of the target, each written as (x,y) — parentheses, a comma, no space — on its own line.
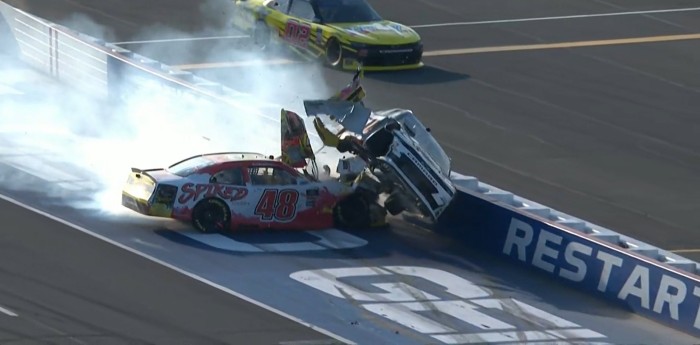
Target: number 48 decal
(280,205)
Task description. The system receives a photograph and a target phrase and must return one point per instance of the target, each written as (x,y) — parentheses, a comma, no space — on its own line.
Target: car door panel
(297,32)
(278,205)
(275,196)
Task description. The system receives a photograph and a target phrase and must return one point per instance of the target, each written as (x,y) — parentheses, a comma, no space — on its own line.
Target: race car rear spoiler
(139,172)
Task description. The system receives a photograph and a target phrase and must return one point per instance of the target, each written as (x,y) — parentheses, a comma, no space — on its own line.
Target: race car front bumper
(383,57)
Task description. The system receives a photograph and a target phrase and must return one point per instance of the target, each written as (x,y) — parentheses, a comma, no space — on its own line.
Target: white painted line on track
(496,21)
(38,167)
(466,51)
(562,45)
(7,312)
(170,40)
(175,268)
(102,13)
(241,63)
(680,251)
(578,16)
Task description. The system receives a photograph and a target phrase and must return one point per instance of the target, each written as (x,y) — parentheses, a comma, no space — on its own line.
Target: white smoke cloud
(86,146)
(85,24)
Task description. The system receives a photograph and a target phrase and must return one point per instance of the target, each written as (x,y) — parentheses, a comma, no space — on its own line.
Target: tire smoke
(79,150)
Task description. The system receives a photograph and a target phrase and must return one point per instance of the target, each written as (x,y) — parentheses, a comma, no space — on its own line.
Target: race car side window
(302,9)
(232,176)
(282,5)
(267,176)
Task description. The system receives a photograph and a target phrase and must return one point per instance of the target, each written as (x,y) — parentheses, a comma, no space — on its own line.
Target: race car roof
(199,161)
(224,157)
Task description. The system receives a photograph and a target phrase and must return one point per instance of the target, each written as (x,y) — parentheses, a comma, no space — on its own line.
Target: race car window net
(231,176)
(302,9)
(346,11)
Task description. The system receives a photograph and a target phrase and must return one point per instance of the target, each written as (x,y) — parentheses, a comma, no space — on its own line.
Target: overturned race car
(390,148)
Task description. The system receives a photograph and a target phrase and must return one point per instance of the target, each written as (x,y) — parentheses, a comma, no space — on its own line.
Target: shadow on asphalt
(425,75)
(410,245)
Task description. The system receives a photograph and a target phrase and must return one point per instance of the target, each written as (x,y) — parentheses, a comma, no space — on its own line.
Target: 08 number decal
(297,33)
(279,205)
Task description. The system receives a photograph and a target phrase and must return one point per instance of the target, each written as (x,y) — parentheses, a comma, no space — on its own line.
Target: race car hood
(382,32)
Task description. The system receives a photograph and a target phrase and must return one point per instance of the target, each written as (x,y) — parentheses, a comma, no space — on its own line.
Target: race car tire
(211,216)
(353,212)
(393,204)
(334,53)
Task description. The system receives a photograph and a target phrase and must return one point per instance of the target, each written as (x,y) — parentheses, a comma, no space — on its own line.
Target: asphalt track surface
(504,146)
(66,287)
(608,133)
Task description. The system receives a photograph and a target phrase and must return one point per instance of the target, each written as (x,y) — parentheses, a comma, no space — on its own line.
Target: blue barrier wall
(644,286)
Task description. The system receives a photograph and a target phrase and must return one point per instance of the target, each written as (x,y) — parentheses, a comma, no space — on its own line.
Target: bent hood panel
(383,32)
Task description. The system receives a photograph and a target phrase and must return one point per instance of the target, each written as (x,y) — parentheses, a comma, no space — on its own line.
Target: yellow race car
(344,34)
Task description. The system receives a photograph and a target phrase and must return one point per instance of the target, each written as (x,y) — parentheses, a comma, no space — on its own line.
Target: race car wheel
(353,212)
(393,204)
(211,215)
(334,53)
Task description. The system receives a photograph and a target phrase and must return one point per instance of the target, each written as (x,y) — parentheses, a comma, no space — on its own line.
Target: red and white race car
(224,191)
